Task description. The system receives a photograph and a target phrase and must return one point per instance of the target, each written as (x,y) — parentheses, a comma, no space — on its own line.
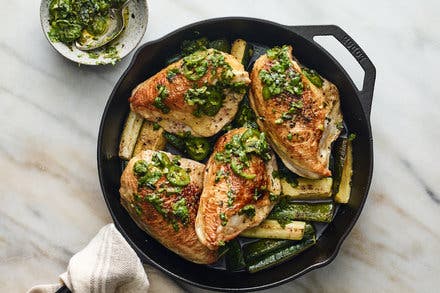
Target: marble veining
(50,111)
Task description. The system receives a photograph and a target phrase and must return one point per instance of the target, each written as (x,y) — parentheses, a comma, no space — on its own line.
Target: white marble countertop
(50,110)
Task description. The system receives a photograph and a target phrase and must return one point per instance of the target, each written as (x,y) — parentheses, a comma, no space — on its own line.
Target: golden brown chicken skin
(199,93)
(301,119)
(165,211)
(235,196)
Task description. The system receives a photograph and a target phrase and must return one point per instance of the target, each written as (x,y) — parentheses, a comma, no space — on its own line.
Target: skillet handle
(63,289)
(366,94)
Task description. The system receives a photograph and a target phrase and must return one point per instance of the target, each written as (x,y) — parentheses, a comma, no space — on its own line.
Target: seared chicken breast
(239,189)
(161,193)
(299,111)
(199,93)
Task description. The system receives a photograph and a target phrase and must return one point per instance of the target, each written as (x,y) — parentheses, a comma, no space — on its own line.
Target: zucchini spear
(268,253)
(149,138)
(129,135)
(286,212)
(345,169)
(308,188)
(272,229)
(234,256)
(242,51)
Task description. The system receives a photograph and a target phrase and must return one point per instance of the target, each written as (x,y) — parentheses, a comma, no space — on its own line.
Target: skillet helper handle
(366,94)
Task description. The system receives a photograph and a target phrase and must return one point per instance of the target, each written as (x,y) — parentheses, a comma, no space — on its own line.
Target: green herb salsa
(206,96)
(69,19)
(163,178)
(238,151)
(280,78)
(197,148)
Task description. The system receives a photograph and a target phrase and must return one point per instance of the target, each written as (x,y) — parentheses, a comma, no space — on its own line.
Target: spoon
(116,25)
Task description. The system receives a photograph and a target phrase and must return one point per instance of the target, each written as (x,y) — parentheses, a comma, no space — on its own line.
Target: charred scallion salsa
(73,19)
(208,98)
(206,95)
(163,176)
(238,151)
(280,78)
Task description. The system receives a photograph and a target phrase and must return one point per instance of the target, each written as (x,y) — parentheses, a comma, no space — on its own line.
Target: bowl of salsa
(64,22)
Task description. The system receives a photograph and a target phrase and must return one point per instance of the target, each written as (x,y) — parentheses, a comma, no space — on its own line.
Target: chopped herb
(79,19)
(279,121)
(352,136)
(176,160)
(313,76)
(245,116)
(137,209)
(224,219)
(273,197)
(111,52)
(93,55)
(220,175)
(148,175)
(177,176)
(221,45)
(238,151)
(180,210)
(248,211)
(162,94)
(208,98)
(156,126)
(258,192)
(280,78)
(231,197)
(140,168)
(191,46)
(295,106)
(157,202)
(137,197)
(172,73)
(289,136)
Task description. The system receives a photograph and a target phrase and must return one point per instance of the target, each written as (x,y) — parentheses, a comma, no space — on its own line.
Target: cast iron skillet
(356,106)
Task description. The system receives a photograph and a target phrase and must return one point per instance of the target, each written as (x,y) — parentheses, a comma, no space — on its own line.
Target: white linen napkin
(107,264)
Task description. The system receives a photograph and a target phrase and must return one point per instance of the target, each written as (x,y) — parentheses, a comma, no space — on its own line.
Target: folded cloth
(106,264)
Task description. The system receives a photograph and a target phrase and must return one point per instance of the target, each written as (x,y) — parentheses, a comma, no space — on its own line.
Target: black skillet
(356,106)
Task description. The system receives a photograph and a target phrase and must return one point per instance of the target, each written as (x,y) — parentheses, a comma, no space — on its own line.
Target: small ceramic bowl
(124,43)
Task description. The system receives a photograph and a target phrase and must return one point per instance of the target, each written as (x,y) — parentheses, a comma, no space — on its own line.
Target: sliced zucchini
(245,116)
(242,51)
(285,212)
(256,250)
(308,188)
(222,250)
(129,135)
(343,194)
(221,45)
(277,256)
(273,230)
(339,153)
(234,256)
(150,138)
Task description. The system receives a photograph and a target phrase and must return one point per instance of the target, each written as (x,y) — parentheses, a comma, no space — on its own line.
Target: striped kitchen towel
(106,264)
